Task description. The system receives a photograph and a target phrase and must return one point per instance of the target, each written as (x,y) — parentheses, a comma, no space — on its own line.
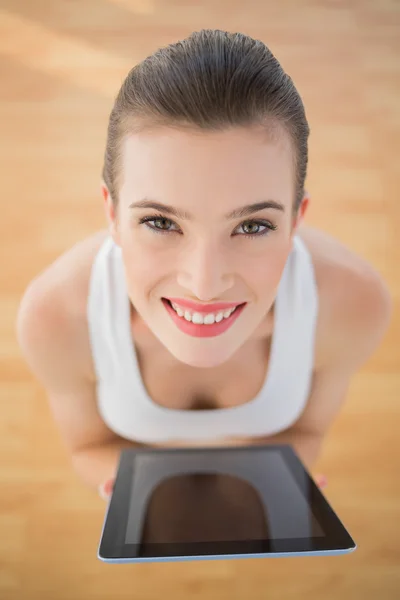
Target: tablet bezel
(112,545)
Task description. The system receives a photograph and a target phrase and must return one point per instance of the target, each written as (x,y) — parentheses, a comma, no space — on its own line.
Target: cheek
(264,274)
(144,269)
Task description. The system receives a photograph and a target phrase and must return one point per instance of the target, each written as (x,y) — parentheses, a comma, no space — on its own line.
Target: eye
(161,219)
(156,219)
(266,224)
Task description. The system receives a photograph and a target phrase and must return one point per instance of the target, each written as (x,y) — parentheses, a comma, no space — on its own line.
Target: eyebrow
(243,211)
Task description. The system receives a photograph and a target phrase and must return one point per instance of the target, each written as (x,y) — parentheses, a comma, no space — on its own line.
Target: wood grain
(61,64)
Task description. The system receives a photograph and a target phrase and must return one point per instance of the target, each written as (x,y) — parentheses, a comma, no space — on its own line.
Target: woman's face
(205,257)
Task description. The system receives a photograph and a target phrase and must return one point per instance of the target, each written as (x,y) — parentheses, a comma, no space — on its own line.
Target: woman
(206,313)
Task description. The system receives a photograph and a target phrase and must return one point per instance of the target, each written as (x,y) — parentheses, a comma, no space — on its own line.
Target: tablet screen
(217,501)
(177,499)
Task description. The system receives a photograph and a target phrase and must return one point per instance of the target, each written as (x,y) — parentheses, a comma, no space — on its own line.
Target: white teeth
(209,319)
(178,310)
(200,319)
(197,318)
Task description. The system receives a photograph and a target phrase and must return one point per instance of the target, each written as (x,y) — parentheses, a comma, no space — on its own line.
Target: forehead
(240,163)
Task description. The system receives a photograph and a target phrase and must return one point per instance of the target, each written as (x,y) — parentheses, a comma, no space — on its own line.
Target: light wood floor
(61,64)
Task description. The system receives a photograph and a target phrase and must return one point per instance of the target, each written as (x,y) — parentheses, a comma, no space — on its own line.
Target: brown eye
(157,219)
(253,227)
(248,227)
(160,221)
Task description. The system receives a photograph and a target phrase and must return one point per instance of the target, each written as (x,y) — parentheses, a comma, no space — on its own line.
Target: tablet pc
(213,503)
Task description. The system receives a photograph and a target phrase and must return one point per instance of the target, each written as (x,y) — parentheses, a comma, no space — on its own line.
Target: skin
(208,174)
(207,259)
(206,263)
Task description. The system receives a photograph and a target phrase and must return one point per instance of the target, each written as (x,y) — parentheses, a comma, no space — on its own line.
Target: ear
(110,211)
(301,212)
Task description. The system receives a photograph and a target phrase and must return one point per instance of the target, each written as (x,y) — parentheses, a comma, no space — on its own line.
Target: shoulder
(59,295)
(69,273)
(355,302)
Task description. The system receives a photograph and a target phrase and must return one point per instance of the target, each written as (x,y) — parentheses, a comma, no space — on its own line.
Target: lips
(199,330)
(204,308)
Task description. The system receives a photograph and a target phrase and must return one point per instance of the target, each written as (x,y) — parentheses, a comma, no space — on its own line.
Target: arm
(329,390)
(51,343)
(98,463)
(355,335)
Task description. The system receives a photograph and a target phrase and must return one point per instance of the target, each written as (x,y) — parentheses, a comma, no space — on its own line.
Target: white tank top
(122,399)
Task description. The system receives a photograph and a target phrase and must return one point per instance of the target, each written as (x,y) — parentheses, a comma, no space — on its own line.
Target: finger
(109,486)
(102,492)
(106,488)
(321,481)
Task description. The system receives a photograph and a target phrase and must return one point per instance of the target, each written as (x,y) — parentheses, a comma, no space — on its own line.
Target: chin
(201,359)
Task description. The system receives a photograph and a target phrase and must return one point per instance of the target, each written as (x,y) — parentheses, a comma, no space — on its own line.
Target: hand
(321,481)
(106,489)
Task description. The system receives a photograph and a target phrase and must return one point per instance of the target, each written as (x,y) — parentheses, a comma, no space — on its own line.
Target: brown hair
(212,80)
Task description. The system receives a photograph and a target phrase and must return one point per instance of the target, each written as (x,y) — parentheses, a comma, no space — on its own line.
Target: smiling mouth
(205,318)
(206,326)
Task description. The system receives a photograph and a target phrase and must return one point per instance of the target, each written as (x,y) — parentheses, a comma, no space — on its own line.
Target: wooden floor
(61,64)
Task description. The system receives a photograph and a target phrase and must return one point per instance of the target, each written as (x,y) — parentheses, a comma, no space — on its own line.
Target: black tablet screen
(187,497)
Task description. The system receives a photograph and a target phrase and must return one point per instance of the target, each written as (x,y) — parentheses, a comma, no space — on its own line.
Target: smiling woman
(203,186)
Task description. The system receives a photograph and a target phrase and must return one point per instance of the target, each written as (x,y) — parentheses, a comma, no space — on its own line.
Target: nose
(204,272)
